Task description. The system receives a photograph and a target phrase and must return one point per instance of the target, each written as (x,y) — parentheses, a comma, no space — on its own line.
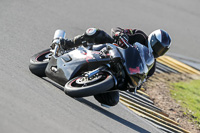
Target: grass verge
(188,95)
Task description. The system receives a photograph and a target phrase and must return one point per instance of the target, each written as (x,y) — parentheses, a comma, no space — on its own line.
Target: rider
(158,41)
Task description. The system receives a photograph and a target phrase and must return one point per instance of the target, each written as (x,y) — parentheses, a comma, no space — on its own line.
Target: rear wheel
(38,63)
(81,86)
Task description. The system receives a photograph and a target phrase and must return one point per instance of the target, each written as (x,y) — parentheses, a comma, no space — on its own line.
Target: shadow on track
(112,116)
(54,84)
(103,111)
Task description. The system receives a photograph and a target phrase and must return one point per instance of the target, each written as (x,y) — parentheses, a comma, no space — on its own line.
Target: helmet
(160,41)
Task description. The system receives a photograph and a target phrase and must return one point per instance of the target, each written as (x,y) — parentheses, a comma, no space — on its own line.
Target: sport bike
(93,69)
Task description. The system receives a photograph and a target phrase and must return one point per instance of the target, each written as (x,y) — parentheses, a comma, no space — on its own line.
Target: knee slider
(91,31)
(109,98)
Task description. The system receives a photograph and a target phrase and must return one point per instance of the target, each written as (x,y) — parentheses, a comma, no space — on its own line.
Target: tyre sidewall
(94,89)
(38,67)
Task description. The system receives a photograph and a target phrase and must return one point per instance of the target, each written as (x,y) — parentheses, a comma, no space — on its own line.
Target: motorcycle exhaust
(59,34)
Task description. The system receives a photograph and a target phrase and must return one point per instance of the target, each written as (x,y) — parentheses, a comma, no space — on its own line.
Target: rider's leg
(109,98)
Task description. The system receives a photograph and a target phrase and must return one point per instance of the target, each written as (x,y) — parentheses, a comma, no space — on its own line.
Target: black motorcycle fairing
(73,63)
(147,55)
(137,62)
(114,52)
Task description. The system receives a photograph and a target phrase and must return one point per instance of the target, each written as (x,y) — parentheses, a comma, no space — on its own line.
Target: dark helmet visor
(166,40)
(159,48)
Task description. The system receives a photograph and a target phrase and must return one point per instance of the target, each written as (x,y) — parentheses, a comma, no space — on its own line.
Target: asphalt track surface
(32,104)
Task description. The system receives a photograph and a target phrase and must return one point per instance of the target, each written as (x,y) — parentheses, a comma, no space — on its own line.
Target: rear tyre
(81,87)
(38,63)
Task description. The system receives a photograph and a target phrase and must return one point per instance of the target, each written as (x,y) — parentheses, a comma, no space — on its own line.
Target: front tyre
(38,63)
(81,86)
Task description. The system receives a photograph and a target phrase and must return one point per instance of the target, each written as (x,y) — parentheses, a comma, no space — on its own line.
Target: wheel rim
(84,81)
(44,57)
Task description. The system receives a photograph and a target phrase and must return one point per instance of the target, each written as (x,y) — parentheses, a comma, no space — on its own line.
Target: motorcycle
(93,69)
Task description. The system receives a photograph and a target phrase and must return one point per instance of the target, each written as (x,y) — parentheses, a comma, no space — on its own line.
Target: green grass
(188,95)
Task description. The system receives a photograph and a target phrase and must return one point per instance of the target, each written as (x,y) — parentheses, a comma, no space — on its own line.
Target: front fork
(95,72)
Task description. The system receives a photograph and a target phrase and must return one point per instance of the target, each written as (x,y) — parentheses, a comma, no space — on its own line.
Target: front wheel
(38,63)
(81,86)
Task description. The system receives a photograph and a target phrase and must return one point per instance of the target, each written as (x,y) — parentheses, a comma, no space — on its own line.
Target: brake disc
(85,80)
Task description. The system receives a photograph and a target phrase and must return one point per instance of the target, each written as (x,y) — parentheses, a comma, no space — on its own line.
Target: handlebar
(59,34)
(124,41)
